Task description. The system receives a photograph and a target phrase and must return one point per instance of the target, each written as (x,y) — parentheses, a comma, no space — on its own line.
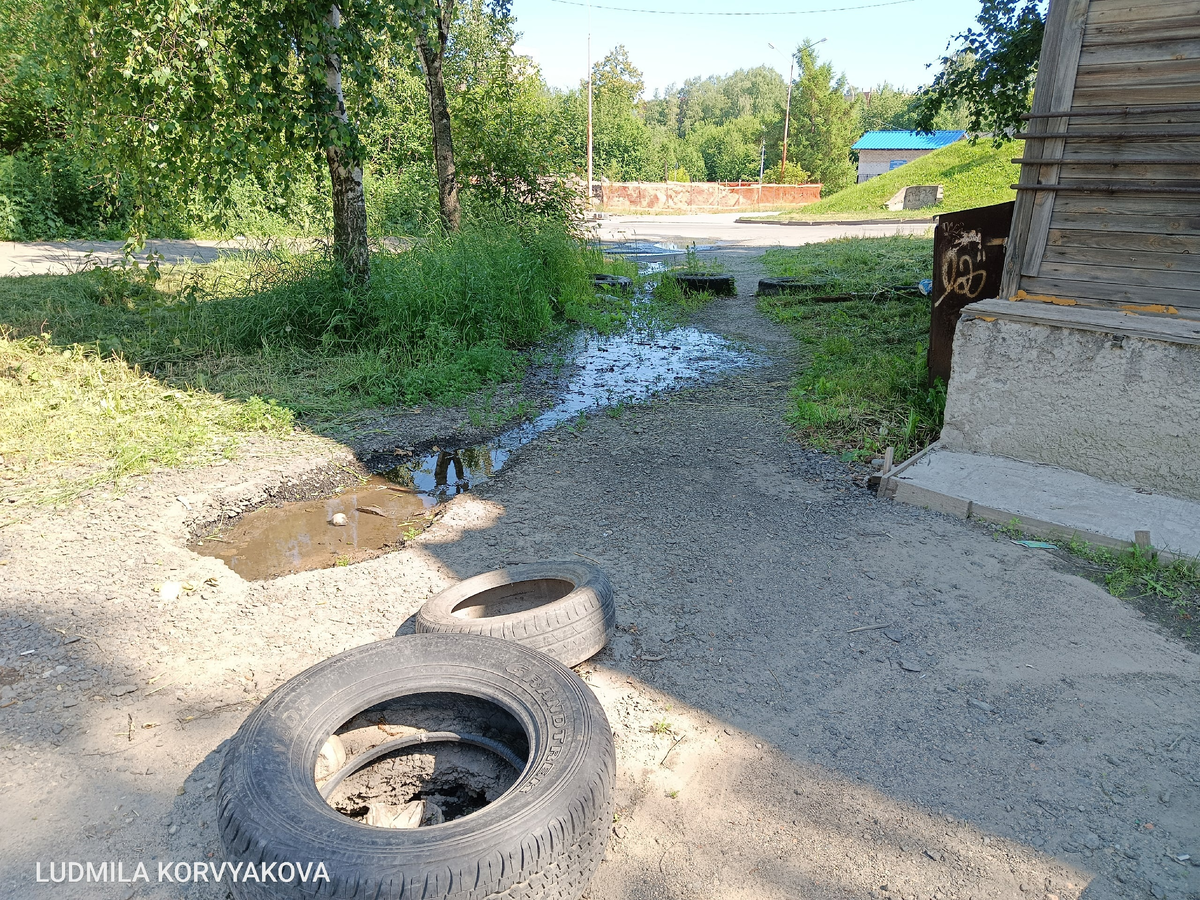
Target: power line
(680,12)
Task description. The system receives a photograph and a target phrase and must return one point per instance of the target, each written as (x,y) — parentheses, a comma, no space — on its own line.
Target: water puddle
(654,248)
(626,368)
(300,536)
(605,371)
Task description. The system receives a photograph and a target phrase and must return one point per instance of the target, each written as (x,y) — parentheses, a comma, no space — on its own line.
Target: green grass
(71,419)
(114,371)
(863,387)
(971,176)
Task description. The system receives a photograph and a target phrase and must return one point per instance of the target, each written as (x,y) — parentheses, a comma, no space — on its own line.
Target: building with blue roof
(882,151)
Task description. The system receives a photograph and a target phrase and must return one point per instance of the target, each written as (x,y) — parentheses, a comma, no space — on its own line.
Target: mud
(296,537)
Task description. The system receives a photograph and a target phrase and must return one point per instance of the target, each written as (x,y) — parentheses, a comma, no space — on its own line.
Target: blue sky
(887,43)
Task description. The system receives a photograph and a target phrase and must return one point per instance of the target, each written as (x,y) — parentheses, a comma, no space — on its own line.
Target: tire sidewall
(438,613)
(270,809)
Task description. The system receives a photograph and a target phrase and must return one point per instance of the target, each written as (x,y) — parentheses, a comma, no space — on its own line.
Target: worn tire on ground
(564,609)
(544,837)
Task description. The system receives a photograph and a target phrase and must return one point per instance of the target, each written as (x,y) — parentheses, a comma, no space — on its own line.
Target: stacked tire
(505,639)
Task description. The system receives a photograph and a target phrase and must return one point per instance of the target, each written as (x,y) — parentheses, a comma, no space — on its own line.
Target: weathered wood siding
(1113,216)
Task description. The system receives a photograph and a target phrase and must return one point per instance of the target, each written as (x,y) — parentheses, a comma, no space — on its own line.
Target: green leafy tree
(823,122)
(174,94)
(887,108)
(617,75)
(991,69)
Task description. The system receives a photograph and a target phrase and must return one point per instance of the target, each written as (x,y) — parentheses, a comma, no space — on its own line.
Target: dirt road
(1013,731)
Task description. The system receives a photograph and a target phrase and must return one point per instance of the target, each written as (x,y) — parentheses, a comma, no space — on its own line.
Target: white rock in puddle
(339,519)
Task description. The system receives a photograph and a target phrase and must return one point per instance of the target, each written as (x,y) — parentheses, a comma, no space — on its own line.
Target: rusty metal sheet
(968,262)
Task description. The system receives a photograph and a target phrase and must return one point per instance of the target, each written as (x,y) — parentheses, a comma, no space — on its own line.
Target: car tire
(564,609)
(543,837)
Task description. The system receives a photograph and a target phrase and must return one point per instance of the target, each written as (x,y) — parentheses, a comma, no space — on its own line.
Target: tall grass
(439,319)
(863,387)
(138,368)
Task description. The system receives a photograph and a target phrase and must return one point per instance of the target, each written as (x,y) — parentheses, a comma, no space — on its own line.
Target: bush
(793,175)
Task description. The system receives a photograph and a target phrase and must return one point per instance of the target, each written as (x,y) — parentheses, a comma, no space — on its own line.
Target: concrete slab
(1047,500)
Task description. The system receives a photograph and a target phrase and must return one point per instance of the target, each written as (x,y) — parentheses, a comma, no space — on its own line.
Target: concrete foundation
(1100,395)
(1045,501)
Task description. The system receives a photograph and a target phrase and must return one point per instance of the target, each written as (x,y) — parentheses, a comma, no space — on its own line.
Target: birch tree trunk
(432,49)
(345,174)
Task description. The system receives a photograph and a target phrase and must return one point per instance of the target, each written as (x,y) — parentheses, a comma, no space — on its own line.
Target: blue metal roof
(906,140)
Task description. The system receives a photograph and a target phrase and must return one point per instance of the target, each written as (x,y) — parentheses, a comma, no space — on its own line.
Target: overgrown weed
(864,386)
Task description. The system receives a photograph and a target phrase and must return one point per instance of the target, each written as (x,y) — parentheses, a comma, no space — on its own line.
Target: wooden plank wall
(1121,224)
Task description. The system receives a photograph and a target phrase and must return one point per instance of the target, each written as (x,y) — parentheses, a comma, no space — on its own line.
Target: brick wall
(616,195)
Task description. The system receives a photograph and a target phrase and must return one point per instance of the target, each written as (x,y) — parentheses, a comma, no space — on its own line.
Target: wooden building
(1080,379)
(1108,209)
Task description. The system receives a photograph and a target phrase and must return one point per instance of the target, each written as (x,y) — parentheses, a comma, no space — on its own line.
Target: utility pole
(787,120)
(787,113)
(589,130)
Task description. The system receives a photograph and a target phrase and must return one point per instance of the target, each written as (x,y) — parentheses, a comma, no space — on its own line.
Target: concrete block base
(1107,394)
(1046,501)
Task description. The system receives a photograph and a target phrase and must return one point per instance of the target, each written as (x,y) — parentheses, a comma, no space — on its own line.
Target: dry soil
(1013,731)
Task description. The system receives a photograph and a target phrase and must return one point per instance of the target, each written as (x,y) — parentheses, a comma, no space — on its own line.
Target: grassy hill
(976,175)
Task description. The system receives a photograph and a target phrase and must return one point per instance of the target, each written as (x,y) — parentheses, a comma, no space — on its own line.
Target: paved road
(723,230)
(718,229)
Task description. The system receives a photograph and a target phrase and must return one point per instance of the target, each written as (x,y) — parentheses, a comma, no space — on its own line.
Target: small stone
(1036,736)
(909,665)
(892,633)
(979,705)
(1164,797)
(172,829)
(1157,891)
(122,689)
(758,746)
(57,728)
(339,519)
(69,702)
(935,855)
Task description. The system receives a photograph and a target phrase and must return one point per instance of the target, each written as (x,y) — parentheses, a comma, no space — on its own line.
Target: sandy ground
(1014,733)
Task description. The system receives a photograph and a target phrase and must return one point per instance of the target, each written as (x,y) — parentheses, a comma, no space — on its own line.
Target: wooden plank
(1106,222)
(1177,244)
(1083,289)
(1064,62)
(1043,102)
(1134,94)
(1179,45)
(1099,33)
(1124,258)
(1129,205)
(1125,172)
(1174,71)
(1133,278)
(1180,329)
(1131,152)
(1104,12)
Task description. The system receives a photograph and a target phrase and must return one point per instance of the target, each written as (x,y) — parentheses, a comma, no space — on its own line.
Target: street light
(787,113)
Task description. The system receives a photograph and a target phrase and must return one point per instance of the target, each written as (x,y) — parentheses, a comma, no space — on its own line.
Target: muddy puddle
(318,534)
(607,370)
(604,371)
